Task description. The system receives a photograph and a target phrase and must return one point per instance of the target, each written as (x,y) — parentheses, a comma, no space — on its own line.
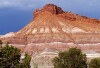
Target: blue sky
(15,14)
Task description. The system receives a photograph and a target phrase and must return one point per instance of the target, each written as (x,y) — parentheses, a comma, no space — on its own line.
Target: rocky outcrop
(51,24)
(11,34)
(50,8)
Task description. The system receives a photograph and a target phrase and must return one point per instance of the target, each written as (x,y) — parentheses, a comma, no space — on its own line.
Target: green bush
(95,63)
(10,58)
(70,59)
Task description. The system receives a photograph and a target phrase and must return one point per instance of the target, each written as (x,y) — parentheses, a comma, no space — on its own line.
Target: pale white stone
(70,43)
(34,31)
(54,30)
(11,34)
(68,28)
(63,29)
(41,30)
(91,54)
(48,51)
(17,44)
(22,57)
(28,31)
(46,30)
(56,42)
(62,24)
(77,30)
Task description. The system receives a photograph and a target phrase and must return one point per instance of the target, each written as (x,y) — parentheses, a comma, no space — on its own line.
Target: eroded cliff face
(50,8)
(52,24)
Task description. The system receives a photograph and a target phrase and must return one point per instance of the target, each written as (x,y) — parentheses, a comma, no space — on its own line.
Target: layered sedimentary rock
(53,25)
(53,30)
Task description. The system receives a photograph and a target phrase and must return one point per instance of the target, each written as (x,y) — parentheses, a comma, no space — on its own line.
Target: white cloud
(66,4)
(23,3)
(7,3)
(4,4)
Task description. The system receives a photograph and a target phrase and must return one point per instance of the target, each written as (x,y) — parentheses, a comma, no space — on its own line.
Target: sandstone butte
(56,29)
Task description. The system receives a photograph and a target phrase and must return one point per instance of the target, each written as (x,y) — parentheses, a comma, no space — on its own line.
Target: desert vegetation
(10,57)
(95,63)
(74,58)
(70,59)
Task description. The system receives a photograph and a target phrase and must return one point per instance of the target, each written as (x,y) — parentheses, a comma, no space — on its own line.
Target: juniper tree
(73,58)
